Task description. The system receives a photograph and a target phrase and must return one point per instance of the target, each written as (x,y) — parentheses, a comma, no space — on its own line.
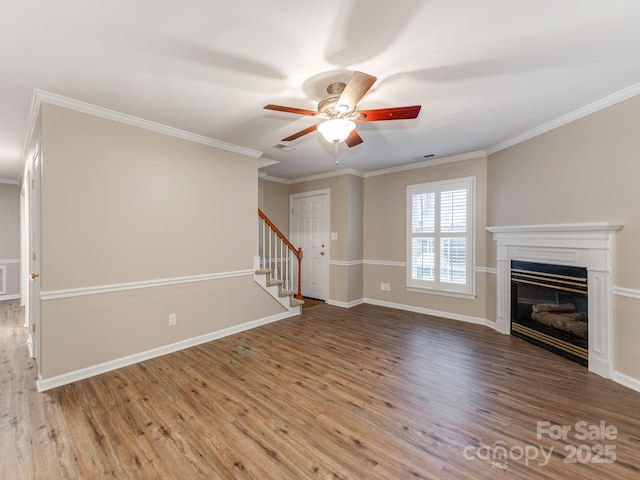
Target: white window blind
(440,236)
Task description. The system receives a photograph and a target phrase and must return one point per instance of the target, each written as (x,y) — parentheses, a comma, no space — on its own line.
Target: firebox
(549,308)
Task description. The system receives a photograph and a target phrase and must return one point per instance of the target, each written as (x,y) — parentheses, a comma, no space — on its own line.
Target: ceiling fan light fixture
(336,130)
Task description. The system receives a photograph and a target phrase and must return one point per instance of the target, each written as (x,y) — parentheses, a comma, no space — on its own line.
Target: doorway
(308,229)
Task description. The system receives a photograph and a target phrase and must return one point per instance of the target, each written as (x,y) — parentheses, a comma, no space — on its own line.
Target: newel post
(299,256)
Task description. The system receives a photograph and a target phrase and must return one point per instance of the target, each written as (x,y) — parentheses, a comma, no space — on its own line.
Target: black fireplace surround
(549,308)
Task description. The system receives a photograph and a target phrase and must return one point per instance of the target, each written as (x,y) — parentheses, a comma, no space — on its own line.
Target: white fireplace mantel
(588,245)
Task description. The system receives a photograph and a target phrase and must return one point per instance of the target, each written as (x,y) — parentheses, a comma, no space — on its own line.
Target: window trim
(425,286)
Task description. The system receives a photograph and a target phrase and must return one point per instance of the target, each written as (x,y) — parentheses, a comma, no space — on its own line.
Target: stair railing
(277,254)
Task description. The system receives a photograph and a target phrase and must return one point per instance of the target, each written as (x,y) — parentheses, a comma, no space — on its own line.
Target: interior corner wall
(10,240)
(585,171)
(137,225)
(385,231)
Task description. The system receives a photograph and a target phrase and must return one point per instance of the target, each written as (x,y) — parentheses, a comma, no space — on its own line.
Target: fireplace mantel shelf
(559,228)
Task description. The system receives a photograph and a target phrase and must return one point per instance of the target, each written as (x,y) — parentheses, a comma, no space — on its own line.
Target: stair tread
(260,271)
(274,282)
(296,303)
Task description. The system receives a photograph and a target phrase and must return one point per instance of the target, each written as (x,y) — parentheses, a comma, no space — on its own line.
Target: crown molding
(269,178)
(428,163)
(41,96)
(608,101)
(320,176)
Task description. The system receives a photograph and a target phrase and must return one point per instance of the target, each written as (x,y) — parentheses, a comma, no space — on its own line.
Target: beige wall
(275,203)
(585,171)
(10,238)
(385,231)
(122,204)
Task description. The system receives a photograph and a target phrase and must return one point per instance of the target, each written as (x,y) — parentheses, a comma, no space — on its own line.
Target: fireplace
(549,308)
(587,246)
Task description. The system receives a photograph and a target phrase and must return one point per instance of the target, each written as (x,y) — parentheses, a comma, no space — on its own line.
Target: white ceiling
(483,71)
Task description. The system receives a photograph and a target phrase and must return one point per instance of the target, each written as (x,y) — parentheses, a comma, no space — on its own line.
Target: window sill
(445,293)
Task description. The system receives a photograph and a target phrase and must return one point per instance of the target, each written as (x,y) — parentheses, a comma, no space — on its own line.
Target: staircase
(278,265)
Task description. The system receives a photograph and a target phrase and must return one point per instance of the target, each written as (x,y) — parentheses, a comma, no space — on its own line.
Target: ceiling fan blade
(299,111)
(396,113)
(299,134)
(359,84)
(353,139)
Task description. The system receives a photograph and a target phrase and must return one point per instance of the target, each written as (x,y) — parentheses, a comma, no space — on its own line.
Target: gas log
(575,323)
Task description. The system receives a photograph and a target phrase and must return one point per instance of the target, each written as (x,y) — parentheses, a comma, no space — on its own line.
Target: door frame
(32,209)
(313,193)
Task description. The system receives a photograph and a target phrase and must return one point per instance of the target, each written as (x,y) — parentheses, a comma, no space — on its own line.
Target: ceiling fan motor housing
(327,107)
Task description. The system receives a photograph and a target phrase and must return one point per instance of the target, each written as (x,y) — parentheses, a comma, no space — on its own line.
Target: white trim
(428,163)
(3,279)
(342,263)
(320,176)
(9,181)
(444,293)
(66,378)
(42,96)
(353,303)
(119,287)
(385,263)
(608,101)
(428,311)
(627,381)
(13,296)
(489,270)
(269,178)
(559,228)
(7,262)
(626,292)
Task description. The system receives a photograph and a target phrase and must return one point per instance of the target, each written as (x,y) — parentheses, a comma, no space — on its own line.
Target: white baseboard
(428,311)
(10,297)
(66,378)
(627,381)
(353,303)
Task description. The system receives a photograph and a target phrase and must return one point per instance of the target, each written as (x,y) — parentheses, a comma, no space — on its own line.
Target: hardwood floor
(364,393)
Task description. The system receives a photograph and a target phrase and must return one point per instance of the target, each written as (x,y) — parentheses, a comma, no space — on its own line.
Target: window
(440,237)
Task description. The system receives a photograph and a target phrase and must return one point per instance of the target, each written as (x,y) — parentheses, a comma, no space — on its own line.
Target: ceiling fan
(338,109)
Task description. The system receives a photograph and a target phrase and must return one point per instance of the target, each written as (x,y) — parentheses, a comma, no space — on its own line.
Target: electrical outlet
(173,318)
(387,287)
(382,286)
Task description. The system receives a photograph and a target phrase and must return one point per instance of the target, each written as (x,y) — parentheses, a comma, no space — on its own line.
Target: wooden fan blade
(359,84)
(299,111)
(397,113)
(353,139)
(299,134)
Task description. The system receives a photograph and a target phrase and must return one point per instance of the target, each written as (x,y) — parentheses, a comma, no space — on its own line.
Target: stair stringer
(274,287)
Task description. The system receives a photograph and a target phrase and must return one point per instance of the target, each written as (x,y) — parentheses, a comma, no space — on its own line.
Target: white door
(308,229)
(34,259)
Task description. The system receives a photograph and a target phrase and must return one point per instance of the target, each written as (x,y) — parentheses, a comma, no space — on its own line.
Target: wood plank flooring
(363,393)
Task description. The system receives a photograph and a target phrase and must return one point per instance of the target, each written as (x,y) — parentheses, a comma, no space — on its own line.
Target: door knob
(34,276)
(321,253)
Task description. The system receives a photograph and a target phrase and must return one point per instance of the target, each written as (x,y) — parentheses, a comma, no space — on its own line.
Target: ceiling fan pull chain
(335,144)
